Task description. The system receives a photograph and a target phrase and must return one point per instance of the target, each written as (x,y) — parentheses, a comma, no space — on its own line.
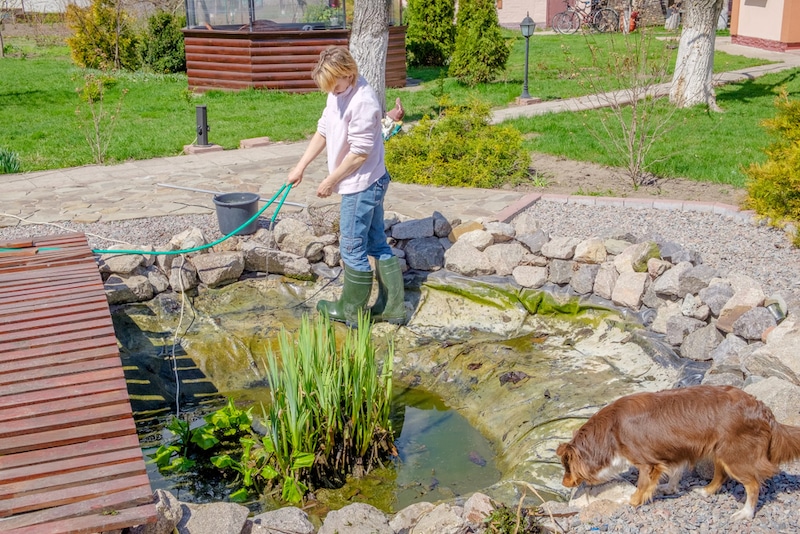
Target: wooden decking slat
(63,381)
(93,523)
(68,445)
(62,496)
(79,355)
(67,436)
(29,375)
(32,410)
(46,469)
(9,462)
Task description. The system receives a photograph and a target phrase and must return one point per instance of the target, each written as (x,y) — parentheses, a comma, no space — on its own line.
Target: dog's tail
(784,445)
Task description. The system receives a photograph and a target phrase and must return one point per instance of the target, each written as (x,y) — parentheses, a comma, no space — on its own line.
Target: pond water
(440,456)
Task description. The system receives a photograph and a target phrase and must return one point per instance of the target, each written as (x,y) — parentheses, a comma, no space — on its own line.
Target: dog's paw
(745,513)
(667,489)
(702,491)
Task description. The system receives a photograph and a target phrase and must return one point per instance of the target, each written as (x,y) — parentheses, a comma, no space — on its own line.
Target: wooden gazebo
(234,44)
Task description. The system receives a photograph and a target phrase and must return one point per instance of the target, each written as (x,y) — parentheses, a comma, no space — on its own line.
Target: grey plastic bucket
(234,209)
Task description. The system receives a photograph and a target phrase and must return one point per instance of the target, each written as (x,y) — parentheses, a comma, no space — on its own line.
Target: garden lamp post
(526,26)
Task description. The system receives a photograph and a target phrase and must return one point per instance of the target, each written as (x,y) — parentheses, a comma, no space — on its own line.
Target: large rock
(679,326)
(535,241)
(425,254)
(781,396)
(530,276)
(583,277)
(219,268)
(168,514)
(480,239)
(668,284)
(590,251)
(124,289)
(465,259)
(505,256)
(695,279)
(120,263)
(287,519)
(357,518)
(743,300)
(779,356)
(635,257)
(403,522)
(560,248)
(444,519)
(287,227)
(501,232)
(629,289)
(752,324)
(306,245)
(605,280)
(414,229)
(212,518)
(716,295)
(560,271)
(698,345)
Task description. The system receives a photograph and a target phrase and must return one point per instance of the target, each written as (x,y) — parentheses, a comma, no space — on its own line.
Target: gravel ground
(688,512)
(729,245)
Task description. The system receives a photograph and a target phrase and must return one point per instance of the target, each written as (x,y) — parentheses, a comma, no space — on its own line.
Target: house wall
(768,24)
(511,12)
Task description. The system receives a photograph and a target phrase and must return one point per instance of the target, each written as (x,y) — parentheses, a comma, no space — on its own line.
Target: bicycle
(590,13)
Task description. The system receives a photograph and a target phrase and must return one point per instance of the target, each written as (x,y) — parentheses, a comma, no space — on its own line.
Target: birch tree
(369,42)
(692,80)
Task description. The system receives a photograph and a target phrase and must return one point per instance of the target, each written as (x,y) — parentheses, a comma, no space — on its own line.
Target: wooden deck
(70,460)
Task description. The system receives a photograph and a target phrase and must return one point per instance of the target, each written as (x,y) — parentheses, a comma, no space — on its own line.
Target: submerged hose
(285,188)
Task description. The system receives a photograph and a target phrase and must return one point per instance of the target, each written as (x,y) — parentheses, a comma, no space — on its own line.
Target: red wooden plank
(84,354)
(55,336)
(48,499)
(47,469)
(32,303)
(62,381)
(67,436)
(46,422)
(53,310)
(79,345)
(9,462)
(91,524)
(67,487)
(90,399)
(28,375)
(73,321)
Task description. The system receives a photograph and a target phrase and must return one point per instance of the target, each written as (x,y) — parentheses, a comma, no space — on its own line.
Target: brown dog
(664,432)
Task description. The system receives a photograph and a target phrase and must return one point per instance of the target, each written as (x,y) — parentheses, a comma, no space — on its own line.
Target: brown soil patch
(562,176)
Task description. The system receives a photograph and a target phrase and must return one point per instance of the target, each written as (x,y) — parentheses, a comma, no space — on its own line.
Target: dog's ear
(563,450)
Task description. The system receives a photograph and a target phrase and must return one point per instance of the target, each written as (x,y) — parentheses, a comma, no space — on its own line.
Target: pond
(440,456)
(485,389)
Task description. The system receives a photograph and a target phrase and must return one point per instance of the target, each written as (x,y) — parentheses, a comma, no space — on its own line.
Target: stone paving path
(133,189)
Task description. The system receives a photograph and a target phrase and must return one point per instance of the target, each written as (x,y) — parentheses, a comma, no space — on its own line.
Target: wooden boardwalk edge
(70,458)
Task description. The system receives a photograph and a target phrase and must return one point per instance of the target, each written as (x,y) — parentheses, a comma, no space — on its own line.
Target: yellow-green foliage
(773,189)
(103,36)
(459,148)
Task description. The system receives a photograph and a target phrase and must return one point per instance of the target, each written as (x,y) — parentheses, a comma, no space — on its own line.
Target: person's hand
(325,188)
(295,177)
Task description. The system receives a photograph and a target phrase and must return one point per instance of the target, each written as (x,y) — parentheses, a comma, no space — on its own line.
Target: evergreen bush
(480,50)
(164,51)
(459,148)
(430,32)
(773,188)
(103,36)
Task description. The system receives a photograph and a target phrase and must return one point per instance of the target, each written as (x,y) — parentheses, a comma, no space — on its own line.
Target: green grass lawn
(46,123)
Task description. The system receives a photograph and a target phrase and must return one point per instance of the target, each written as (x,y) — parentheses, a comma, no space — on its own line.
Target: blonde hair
(334,62)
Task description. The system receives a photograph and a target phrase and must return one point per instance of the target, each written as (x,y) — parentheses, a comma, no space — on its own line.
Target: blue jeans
(361,232)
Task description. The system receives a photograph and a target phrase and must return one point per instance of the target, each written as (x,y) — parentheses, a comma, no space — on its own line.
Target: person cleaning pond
(350,131)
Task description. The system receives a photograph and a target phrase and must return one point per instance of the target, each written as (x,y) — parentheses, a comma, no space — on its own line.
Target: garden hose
(285,188)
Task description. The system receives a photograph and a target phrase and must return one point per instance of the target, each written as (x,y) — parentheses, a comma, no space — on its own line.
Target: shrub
(460,148)
(773,189)
(164,51)
(9,161)
(103,36)
(430,33)
(480,50)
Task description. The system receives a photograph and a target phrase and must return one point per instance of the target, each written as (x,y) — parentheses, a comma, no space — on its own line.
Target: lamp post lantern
(526,26)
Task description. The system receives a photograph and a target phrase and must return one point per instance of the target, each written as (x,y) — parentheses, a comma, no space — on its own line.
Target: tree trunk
(369,42)
(691,83)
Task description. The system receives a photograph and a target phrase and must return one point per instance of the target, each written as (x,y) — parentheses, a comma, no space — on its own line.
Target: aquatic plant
(328,419)
(332,403)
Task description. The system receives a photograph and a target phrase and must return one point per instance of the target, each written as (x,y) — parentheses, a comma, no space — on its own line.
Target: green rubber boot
(355,294)
(389,305)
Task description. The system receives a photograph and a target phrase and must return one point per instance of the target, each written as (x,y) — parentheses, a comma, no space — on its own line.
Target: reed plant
(331,403)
